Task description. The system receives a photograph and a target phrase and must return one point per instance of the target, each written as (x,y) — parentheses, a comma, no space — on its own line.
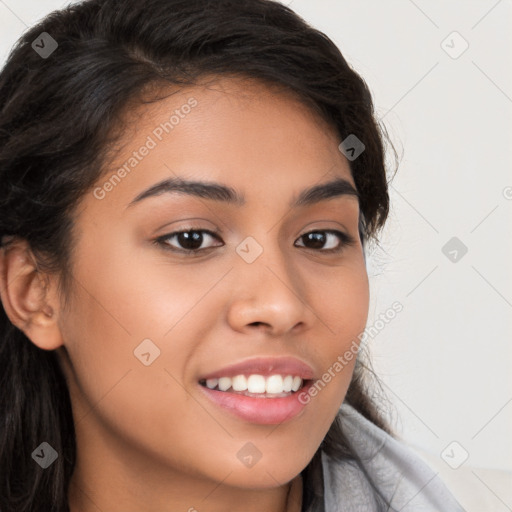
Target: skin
(147,438)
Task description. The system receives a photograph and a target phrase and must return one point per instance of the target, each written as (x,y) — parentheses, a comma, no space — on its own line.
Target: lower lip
(265,411)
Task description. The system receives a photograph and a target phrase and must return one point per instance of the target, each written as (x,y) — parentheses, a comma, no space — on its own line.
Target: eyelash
(346,240)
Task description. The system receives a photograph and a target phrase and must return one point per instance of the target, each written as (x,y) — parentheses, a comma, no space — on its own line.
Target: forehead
(258,138)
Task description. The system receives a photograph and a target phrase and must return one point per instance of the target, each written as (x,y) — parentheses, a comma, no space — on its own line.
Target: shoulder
(385,475)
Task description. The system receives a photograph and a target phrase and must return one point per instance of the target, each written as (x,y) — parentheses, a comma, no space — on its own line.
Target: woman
(187,188)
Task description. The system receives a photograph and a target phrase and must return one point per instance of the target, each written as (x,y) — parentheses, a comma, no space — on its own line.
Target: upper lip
(265,366)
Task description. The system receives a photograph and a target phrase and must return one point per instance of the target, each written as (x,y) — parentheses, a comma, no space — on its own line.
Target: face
(183,285)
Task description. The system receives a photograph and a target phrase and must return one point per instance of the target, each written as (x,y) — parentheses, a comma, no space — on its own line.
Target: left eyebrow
(218,192)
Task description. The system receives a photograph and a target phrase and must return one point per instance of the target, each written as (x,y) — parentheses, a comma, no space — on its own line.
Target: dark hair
(59,117)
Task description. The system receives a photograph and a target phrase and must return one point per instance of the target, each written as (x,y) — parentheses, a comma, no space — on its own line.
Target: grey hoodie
(400,476)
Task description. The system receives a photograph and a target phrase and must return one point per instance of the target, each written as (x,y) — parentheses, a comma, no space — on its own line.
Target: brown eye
(335,240)
(190,240)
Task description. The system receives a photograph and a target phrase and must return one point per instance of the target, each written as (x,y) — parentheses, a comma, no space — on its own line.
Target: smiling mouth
(257,386)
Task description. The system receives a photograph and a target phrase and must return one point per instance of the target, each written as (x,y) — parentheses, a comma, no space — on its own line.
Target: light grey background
(444,360)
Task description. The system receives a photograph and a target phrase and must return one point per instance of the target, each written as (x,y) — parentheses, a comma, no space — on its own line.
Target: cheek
(343,305)
(114,391)
(342,302)
(110,317)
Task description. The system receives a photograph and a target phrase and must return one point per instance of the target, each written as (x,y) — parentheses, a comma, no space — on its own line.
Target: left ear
(29,297)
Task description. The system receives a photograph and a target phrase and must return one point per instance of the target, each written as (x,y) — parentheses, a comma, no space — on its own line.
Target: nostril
(259,325)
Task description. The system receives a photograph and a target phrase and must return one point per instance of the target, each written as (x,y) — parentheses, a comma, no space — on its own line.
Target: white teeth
(272,385)
(287,383)
(256,384)
(239,383)
(297,383)
(212,383)
(224,383)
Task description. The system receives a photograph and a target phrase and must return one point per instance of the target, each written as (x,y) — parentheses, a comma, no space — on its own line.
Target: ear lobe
(27,296)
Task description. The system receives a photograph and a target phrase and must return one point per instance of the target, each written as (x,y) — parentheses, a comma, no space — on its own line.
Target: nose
(269,295)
